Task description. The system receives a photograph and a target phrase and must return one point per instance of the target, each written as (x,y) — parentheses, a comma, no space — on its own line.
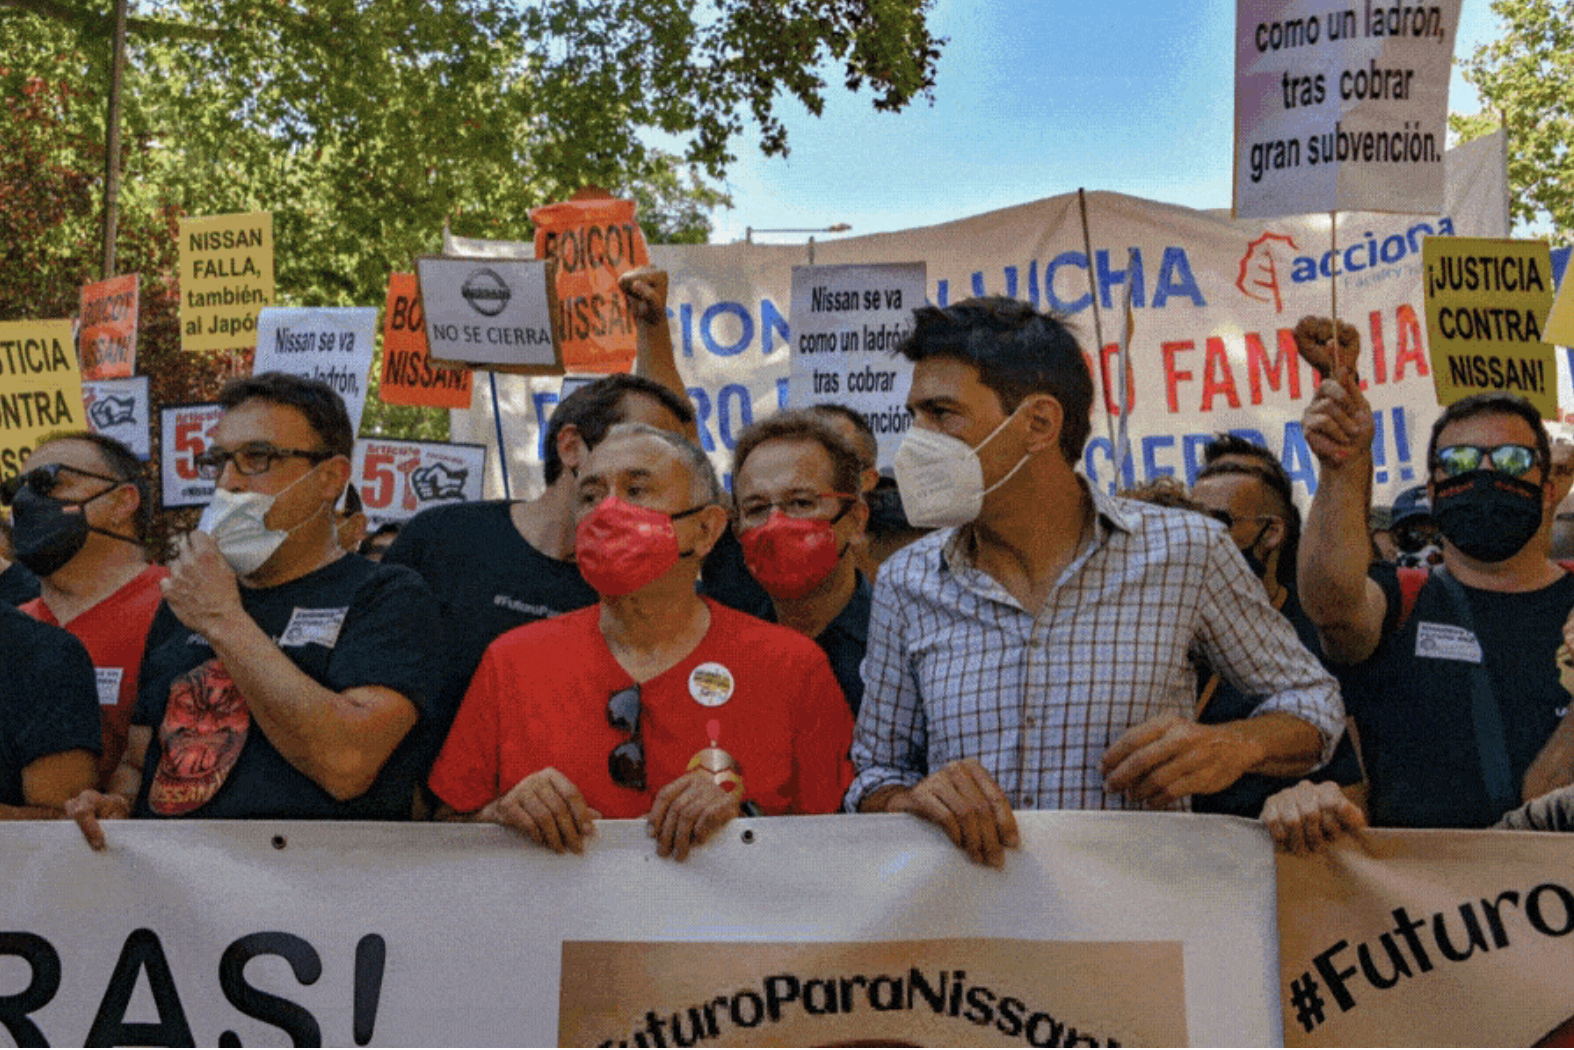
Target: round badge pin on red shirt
(711,684)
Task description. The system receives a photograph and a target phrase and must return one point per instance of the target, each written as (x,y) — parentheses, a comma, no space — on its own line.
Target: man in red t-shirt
(654,702)
(82,511)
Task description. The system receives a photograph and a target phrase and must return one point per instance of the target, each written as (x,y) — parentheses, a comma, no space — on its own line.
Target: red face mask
(620,547)
(790,557)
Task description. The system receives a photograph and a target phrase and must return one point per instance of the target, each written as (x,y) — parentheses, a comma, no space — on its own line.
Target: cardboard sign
(226,278)
(1487,302)
(107,336)
(493,313)
(846,324)
(594,241)
(119,409)
(185,432)
(409,377)
(1560,326)
(331,344)
(40,387)
(399,479)
(1341,107)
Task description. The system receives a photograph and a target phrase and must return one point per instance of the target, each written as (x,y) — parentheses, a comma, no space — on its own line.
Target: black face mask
(46,535)
(1488,515)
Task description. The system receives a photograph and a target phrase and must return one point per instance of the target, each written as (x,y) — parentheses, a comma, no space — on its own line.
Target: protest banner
(1487,303)
(1560,324)
(1214,302)
(492,313)
(399,479)
(1429,938)
(40,387)
(119,408)
(107,329)
(260,933)
(226,278)
(333,345)
(847,322)
(594,240)
(1341,107)
(409,377)
(185,432)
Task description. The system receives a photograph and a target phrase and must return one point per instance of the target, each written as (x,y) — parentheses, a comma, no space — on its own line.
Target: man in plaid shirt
(1036,651)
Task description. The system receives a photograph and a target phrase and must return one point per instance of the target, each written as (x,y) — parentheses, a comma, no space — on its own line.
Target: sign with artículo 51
(226,278)
(40,387)
(1487,302)
(490,313)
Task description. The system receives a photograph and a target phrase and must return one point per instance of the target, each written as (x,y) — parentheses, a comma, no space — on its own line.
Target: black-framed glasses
(626,763)
(254,459)
(42,481)
(832,505)
(1513,460)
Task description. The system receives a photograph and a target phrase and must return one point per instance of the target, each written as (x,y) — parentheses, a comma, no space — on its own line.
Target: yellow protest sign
(1487,302)
(40,387)
(226,278)
(1560,326)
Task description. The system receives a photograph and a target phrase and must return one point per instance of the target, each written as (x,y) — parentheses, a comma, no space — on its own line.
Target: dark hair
(123,464)
(352,501)
(593,409)
(868,446)
(1493,404)
(804,424)
(1017,350)
(317,401)
(387,528)
(1271,473)
(1164,491)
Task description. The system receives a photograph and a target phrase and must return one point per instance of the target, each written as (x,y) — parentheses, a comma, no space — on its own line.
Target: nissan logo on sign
(486,292)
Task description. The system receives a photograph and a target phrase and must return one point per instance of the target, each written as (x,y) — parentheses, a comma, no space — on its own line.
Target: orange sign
(107,341)
(594,241)
(409,376)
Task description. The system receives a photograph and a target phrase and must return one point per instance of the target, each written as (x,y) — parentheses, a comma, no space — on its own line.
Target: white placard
(185,432)
(1341,106)
(846,323)
(118,408)
(331,344)
(399,479)
(493,311)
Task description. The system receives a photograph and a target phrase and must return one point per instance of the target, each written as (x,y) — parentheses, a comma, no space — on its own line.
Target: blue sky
(1033,98)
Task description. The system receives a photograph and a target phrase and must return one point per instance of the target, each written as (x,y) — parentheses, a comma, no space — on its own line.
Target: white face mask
(235,520)
(941,478)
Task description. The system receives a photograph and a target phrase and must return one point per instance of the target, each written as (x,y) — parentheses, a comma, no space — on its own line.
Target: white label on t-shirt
(308,626)
(109,684)
(1444,641)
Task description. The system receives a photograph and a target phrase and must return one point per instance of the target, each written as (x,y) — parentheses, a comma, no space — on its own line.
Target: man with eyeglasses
(655,702)
(81,514)
(797,484)
(1456,693)
(284,678)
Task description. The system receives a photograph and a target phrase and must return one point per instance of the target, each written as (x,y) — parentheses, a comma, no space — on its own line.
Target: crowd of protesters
(985,633)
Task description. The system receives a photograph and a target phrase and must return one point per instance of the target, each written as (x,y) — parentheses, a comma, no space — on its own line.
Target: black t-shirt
(48,698)
(1246,796)
(1412,701)
(350,623)
(845,641)
(17,584)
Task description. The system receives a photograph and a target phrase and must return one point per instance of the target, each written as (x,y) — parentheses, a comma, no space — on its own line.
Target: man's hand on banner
(548,808)
(688,811)
(968,805)
(646,289)
(1308,816)
(90,807)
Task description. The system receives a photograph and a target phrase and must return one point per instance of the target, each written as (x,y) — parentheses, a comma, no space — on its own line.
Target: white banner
(398,479)
(1214,301)
(1105,927)
(119,408)
(1341,107)
(185,432)
(331,344)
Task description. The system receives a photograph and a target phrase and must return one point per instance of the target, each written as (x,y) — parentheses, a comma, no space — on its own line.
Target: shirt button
(1027,801)
(1030,721)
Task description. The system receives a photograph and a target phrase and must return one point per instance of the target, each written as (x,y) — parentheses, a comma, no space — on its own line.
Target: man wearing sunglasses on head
(81,514)
(1456,695)
(282,675)
(655,702)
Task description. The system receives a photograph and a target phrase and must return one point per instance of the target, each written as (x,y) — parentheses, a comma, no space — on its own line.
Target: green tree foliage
(365,126)
(1526,83)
